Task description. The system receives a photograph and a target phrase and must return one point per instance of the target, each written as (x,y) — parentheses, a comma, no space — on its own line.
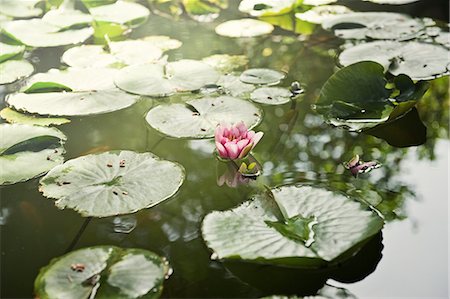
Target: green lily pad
(74,92)
(20,9)
(224,63)
(320,14)
(38,33)
(294,225)
(258,8)
(244,28)
(13,70)
(199,118)
(233,86)
(262,76)
(88,56)
(204,11)
(15,117)
(121,12)
(28,151)
(162,80)
(103,272)
(376,25)
(271,95)
(420,61)
(9,51)
(112,183)
(65,18)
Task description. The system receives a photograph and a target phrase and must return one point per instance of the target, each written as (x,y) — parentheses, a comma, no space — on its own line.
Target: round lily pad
(72,92)
(13,70)
(320,14)
(271,95)
(20,9)
(162,80)
(112,183)
(233,86)
(120,12)
(420,61)
(15,117)
(65,18)
(224,63)
(103,272)
(257,8)
(38,33)
(88,56)
(28,151)
(262,76)
(294,225)
(199,118)
(244,28)
(9,51)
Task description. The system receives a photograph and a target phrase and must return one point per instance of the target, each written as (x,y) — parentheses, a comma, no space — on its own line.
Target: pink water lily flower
(235,142)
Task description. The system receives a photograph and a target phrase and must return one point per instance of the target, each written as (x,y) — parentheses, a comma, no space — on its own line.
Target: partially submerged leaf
(320,14)
(13,70)
(112,183)
(199,118)
(224,63)
(244,28)
(262,76)
(271,95)
(121,12)
(257,8)
(233,86)
(28,151)
(15,117)
(103,272)
(66,18)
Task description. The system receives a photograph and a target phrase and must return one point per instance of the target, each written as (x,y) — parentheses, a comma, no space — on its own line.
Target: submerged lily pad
(121,12)
(38,33)
(257,8)
(162,80)
(72,92)
(294,225)
(13,70)
(15,117)
(420,61)
(9,51)
(262,76)
(244,28)
(103,272)
(224,63)
(199,118)
(20,9)
(112,183)
(320,14)
(28,151)
(271,95)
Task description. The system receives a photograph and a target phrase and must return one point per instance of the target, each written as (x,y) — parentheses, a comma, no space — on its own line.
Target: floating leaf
(204,11)
(112,183)
(320,14)
(38,33)
(318,225)
(28,151)
(103,272)
(262,76)
(15,117)
(92,92)
(271,95)
(88,56)
(13,70)
(233,86)
(327,292)
(257,8)
(20,9)
(163,42)
(393,2)
(420,61)
(121,12)
(9,51)
(199,118)
(224,63)
(318,2)
(244,28)
(162,80)
(65,18)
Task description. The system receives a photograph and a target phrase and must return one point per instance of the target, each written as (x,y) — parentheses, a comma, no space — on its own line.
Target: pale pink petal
(235,132)
(223,140)
(242,128)
(222,151)
(257,138)
(242,143)
(250,134)
(232,150)
(246,150)
(218,133)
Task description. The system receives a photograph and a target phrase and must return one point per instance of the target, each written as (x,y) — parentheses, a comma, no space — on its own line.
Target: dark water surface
(409,259)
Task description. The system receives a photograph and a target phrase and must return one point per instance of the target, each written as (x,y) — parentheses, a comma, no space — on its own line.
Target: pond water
(408,259)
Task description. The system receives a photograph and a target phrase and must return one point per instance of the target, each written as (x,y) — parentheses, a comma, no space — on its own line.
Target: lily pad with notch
(233,86)
(72,92)
(199,118)
(112,183)
(299,226)
(103,272)
(121,12)
(28,151)
(262,76)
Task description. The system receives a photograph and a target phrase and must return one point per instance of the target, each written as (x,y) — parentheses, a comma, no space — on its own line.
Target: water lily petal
(246,150)
(242,128)
(242,143)
(221,149)
(218,133)
(232,150)
(256,138)
(250,134)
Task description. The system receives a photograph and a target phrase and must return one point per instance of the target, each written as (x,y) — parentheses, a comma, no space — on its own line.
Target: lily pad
(73,92)
(393,2)
(244,28)
(28,151)
(13,70)
(233,86)
(103,272)
(163,42)
(9,51)
(262,76)
(271,95)
(20,9)
(224,63)
(257,8)
(199,118)
(204,11)
(88,56)
(318,2)
(15,117)
(320,14)
(65,18)
(420,61)
(121,12)
(112,183)
(38,33)
(294,225)
(162,80)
